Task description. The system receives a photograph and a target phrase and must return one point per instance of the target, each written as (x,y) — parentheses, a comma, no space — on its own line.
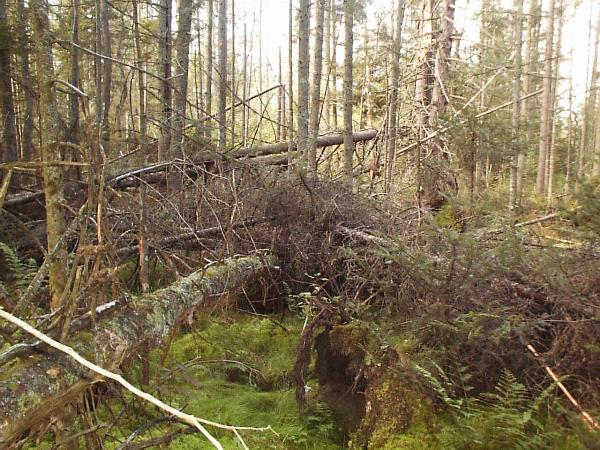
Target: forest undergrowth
(384,328)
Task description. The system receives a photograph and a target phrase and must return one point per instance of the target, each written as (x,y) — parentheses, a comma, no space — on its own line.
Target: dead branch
(52,382)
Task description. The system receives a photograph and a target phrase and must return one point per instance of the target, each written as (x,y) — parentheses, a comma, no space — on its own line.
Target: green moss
(234,369)
(28,400)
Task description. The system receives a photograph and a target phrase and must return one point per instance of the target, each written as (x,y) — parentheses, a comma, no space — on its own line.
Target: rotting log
(37,388)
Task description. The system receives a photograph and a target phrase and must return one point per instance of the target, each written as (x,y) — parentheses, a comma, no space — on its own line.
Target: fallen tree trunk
(256,155)
(38,387)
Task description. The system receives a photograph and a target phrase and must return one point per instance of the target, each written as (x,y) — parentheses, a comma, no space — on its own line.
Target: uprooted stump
(37,388)
(370,389)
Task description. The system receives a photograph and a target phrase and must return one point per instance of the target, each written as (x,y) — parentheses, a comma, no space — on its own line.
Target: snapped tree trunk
(147,320)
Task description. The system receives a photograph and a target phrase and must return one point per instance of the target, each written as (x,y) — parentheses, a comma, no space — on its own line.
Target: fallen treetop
(35,388)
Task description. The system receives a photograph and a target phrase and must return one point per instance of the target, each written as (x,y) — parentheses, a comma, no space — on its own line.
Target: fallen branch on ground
(33,390)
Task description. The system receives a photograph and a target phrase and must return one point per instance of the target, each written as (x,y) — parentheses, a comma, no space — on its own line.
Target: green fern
(16,275)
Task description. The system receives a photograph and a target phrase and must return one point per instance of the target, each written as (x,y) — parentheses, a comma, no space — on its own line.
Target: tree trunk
(591,114)
(166,94)
(290,78)
(148,320)
(233,89)
(24,45)
(209,64)
(184,24)
(222,117)
(333,14)
(8,147)
(550,168)
(516,107)
(393,106)
(303,77)
(529,84)
(106,74)
(546,117)
(348,85)
(315,107)
(50,135)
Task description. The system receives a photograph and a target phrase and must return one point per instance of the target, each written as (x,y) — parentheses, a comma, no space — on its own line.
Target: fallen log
(253,154)
(36,388)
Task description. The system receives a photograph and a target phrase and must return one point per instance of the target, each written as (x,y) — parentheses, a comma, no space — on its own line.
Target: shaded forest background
(388,238)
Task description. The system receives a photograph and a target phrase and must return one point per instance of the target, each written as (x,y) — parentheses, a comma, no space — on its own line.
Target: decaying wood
(34,389)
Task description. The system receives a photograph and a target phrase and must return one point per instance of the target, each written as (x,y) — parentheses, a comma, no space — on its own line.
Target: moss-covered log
(37,388)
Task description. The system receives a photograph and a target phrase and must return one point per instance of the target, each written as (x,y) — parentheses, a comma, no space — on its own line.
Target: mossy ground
(233,369)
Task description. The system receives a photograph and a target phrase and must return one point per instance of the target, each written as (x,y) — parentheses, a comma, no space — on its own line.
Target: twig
(4,187)
(586,417)
(187,418)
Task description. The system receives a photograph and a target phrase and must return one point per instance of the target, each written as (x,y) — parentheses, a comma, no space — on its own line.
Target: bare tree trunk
(209,63)
(166,93)
(516,106)
(184,25)
(50,132)
(591,138)
(291,78)
(315,107)
(245,88)
(280,96)
(8,146)
(546,117)
(27,133)
(587,107)
(233,85)
(106,74)
(348,85)
(550,170)
(393,106)
(222,116)
(528,106)
(327,63)
(303,76)
(436,178)
(334,67)
(73,97)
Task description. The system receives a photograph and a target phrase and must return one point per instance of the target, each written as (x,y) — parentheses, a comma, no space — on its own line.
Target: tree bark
(516,107)
(182,47)
(222,117)
(147,320)
(8,147)
(106,74)
(209,64)
(315,107)
(166,93)
(51,133)
(393,106)
(303,77)
(27,87)
(546,117)
(348,86)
